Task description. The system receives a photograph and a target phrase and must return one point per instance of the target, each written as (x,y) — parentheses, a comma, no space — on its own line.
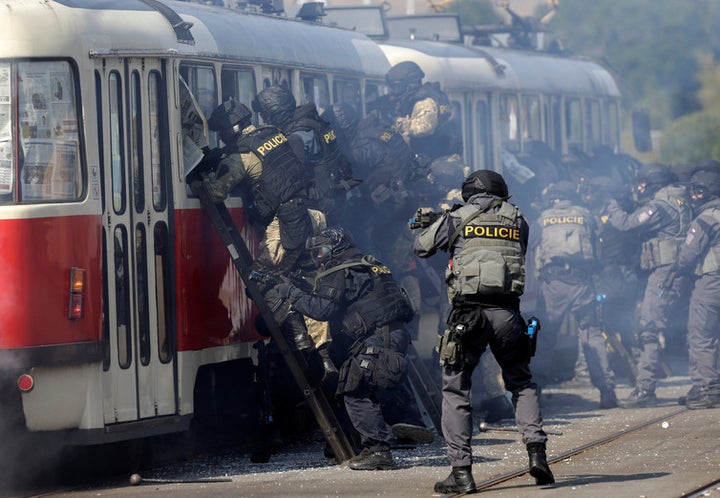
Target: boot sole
(542,478)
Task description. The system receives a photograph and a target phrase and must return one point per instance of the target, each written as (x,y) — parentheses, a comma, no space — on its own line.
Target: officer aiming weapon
(267,279)
(423,218)
(209,162)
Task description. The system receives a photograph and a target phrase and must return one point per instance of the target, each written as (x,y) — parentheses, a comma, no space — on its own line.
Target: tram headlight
(77,288)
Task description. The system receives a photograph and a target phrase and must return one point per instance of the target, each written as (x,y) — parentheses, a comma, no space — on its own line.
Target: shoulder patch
(645,215)
(690,236)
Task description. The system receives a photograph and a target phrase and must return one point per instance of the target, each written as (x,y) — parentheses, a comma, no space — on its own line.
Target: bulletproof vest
(282,175)
(383,303)
(333,170)
(663,249)
(566,236)
(395,168)
(711,261)
(443,141)
(489,256)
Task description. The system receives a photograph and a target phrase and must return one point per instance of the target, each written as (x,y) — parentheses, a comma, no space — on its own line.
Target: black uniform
(366,310)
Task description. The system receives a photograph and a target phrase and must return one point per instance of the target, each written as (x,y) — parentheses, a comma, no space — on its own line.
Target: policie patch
(491,232)
(645,215)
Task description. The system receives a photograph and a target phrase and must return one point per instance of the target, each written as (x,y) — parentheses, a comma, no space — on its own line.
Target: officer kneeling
(367,311)
(487,240)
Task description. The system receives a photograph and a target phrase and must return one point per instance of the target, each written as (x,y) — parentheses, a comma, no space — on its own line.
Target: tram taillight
(77,288)
(25,383)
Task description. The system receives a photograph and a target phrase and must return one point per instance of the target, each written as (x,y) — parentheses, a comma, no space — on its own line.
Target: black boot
(460,480)
(538,466)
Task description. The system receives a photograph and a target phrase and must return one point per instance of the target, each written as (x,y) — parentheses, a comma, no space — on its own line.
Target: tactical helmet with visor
(229,119)
(327,244)
(651,178)
(704,184)
(404,77)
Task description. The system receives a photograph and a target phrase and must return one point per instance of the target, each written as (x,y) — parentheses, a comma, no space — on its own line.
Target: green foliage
(474,12)
(692,138)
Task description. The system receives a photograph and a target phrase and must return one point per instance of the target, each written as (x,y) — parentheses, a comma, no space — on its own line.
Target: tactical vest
(333,171)
(566,236)
(384,303)
(388,179)
(282,175)
(664,250)
(443,141)
(490,259)
(711,261)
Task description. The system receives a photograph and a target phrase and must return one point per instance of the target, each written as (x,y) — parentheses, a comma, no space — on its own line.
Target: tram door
(139,377)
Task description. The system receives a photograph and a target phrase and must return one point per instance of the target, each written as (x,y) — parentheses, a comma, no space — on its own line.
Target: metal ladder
(242,259)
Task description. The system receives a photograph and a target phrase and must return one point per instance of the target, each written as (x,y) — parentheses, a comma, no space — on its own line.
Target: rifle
(209,162)
(423,218)
(267,279)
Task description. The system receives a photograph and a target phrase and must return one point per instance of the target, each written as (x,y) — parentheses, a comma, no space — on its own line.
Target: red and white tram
(121,306)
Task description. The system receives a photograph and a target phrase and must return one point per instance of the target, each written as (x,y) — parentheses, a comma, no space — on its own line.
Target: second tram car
(121,306)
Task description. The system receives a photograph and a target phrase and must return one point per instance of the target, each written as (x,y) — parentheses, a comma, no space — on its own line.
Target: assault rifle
(267,279)
(209,162)
(423,218)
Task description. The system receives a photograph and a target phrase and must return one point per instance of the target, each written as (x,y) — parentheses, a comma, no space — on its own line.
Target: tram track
(507,476)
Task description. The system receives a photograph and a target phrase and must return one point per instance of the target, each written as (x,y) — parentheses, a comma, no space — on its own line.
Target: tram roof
(133,27)
(458,66)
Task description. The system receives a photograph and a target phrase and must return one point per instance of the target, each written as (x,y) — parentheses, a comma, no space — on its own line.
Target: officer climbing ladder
(242,260)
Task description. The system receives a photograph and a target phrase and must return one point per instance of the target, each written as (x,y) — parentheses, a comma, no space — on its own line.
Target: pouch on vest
(659,252)
(485,273)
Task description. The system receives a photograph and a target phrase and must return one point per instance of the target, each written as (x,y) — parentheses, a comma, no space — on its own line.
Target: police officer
(262,163)
(701,254)
(367,311)
(420,112)
(487,238)
(565,261)
(315,142)
(617,281)
(660,221)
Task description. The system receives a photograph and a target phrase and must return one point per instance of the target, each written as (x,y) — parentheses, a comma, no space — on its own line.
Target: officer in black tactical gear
(487,239)
(660,221)
(314,141)
(565,261)
(700,257)
(367,312)
(420,112)
(260,161)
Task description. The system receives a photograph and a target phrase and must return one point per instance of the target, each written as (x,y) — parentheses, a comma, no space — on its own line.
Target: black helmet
(229,118)
(654,176)
(276,105)
(343,117)
(560,191)
(328,243)
(403,76)
(706,182)
(484,181)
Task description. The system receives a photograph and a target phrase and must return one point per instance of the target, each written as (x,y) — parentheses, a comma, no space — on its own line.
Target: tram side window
(136,155)
(122,298)
(531,118)
(238,83)
(200,80)
(592,123)
(315,89)
(117,154)
(573,124)
(47,132)
(347,91)
(612,129)
(482,136)
(158,130)
(373,90)
(509,122)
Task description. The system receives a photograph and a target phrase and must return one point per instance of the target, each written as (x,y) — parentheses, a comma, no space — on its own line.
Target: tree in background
(664,55)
